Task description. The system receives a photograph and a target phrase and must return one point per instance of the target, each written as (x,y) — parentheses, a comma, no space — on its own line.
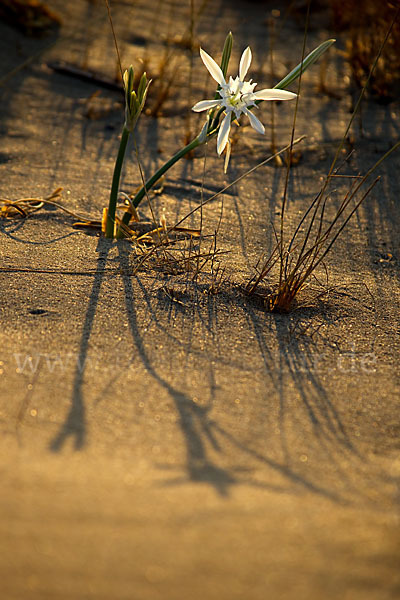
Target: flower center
(234,100)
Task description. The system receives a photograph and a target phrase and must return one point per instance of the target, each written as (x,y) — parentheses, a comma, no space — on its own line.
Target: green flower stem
(150,182)
(115,184)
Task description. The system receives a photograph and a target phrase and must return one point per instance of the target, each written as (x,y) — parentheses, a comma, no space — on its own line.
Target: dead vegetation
(297,261)
(364,25)
(293,264)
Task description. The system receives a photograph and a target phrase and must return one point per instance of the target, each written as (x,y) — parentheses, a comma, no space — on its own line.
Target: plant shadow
(205,439)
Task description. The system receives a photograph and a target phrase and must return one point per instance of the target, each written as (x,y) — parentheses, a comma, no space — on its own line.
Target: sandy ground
(200,448)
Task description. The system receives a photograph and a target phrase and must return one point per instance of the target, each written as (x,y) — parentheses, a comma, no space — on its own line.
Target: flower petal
(205,105)
(223,134)
(227,155)
(212,67)
(244,63)
(274,95)
(254,122)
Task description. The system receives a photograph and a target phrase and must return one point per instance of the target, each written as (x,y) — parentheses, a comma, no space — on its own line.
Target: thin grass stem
(289,160)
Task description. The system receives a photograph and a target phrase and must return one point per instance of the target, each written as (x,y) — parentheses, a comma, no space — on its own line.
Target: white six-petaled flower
(236,96)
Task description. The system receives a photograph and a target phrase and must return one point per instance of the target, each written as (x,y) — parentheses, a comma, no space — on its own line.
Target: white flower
(236,96)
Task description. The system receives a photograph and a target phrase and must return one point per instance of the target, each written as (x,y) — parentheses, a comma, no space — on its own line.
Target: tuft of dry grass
(189,262)
(305,251)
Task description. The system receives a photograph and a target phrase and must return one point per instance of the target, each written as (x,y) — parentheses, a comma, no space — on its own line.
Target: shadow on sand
(201,433)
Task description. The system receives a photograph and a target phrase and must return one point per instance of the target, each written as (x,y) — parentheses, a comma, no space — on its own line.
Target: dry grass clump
(293,264)
(190,263)
(367,23)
